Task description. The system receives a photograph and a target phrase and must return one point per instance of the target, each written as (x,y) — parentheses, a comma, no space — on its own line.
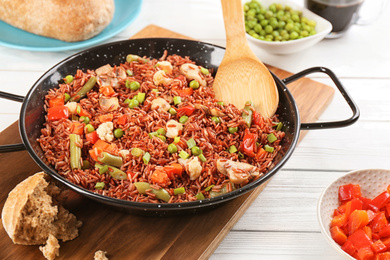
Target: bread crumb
(51,249)
(100,255)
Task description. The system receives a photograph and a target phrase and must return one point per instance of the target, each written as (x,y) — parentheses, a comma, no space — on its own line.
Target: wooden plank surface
(126,236)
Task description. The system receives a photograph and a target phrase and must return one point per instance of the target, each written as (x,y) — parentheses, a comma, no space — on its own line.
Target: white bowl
(323,28)
(372,182)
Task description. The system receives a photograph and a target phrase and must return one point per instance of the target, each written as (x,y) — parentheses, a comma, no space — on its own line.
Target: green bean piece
(129,73)
(86,165)
(172,111)
(89,128)
(132,57)
(140,97)
(161,131)
(232,130)
(199,196)
(247,114)
(116,173)
(133,103)
(110,159)
(191,143)
(99,185)
(161,194)
(137,152)
(176,139)
(232,149)
(194,84)
(202,157)
(118,133)
(279,126)
(268,148)
(271,138)
(196,150)
(184,155)
(204,71)
(183,119)
(240,155)
(75,151)
(152,134)
(172,148)
(69,79)
(220,103)
(209,187)
(84,90)
(102,168)
(216,119)
(176,100)
(146,158)
(180,190)
(66,97)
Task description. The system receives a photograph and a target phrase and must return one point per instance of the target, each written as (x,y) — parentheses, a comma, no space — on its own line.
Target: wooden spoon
(242,76)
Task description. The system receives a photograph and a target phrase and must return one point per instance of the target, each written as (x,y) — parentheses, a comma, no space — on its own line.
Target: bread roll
(66,20)
(32,213)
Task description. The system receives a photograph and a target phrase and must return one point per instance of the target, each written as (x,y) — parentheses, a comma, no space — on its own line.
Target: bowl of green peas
(283,27)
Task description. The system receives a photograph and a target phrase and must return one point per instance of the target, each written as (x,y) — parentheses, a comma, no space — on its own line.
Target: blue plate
(125,13)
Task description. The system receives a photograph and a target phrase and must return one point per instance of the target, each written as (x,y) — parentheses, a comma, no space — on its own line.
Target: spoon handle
(233,17)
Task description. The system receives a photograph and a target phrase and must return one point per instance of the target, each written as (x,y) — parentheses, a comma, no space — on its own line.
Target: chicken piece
(105,131)
(174,129)
(72,107)
(107,77)
(237,172)
(192,72)
(160,105)
(192,166)
(165,65)
(108,104)
(160,78)
(124,153)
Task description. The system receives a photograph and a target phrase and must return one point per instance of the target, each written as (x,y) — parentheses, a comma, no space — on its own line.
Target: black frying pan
(208,55)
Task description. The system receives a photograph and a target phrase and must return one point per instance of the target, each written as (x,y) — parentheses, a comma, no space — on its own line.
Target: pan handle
(11,147)
(343,91)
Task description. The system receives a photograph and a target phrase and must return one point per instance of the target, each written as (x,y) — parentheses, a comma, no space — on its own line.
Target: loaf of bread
(33,212)
(66,20)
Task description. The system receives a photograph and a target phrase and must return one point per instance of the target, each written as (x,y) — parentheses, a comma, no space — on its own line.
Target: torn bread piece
(51,249)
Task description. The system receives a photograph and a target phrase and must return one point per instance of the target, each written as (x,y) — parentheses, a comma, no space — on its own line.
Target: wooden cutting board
(126,236)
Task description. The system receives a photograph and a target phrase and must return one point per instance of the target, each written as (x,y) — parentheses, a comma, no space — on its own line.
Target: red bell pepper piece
(173,169)
(248,145)
(185,110)
(92,137)
(360,239)
(348,247)
(384,232)
(357,220)
(185,92)
(379,201)
(76,128)
(378,247)
(106,118)
(57,101)
(383,256)
(379,222)
(348,192)
(159,176)
(366,202)
(365,253)
(386,242)
(257,119)
(352,205)
(122,120)
(339,220)
(368,231)
(338,235)
(108,91)
(57,112)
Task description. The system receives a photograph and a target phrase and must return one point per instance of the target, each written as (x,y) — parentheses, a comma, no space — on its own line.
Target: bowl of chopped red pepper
(354,214)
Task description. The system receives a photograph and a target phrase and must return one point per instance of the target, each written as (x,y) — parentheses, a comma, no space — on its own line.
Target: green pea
(86,165)
(133,103)
(161,131)
(172,111)
(163,138)
(118,133)
(134,85)
(68,79)
(204,71)
(196,150)
(216,119)
(183,119)
(127,101)
(89,128)
(233,130)
(194,84)
(172,148)
(85,119)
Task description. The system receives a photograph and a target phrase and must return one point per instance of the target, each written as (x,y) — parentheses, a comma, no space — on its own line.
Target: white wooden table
(282,222)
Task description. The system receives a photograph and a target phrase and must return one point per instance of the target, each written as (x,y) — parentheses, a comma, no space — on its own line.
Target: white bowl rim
(322,225)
